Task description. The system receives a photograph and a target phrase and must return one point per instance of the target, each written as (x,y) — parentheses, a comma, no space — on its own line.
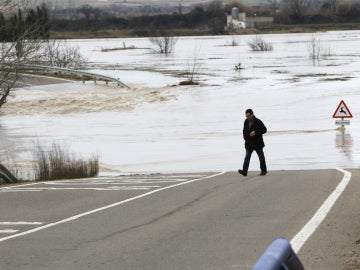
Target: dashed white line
(9,223)
(113,188)
(8,231)
(106,207)
(19,190)
(15,186)
(299,240)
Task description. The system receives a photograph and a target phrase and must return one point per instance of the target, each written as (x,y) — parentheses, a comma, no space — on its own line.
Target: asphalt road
(183,221)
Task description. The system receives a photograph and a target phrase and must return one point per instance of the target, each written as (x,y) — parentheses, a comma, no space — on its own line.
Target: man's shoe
(263,173)
(242,172)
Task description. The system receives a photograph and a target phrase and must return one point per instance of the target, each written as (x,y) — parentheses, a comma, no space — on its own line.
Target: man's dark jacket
(256,142)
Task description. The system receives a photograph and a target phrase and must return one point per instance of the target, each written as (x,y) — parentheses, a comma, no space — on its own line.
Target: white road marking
(19,190)
(7,223)
(8,231)
(106,207)
(299,240)
(156,179)
(15,186)
(116,182)
(113,188)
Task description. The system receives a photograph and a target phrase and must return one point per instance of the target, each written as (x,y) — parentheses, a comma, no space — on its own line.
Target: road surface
(182,221)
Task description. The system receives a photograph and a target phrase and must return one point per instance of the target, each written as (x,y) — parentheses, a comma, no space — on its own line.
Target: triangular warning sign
(342,111)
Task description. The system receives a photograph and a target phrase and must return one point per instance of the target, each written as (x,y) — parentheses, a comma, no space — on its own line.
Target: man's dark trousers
(261,156)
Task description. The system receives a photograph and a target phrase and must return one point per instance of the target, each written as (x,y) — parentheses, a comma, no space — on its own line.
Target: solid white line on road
(299,240)
(8,231)
(7,223)
(106,207)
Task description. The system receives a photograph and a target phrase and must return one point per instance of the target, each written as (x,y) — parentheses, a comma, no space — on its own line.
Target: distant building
(254,22)
(236,20)
(239,20)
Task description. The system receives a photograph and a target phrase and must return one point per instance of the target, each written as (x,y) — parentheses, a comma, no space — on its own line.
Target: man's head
(249,114)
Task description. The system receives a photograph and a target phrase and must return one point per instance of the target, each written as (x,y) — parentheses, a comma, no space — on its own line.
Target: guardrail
(279,256)
(73,72)
(6,175)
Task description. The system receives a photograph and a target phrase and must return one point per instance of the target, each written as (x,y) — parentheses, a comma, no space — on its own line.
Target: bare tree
(57,53)
(71,6)
(23,47)
(8,78)
(297,7)
(6,5)
(7,57)
(317,51)
(87,10)
(273,6)
(163,43)
(97,13)
(314,48)
(332,5)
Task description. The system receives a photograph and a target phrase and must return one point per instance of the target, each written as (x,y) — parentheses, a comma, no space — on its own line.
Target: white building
(239,20)
(236,20)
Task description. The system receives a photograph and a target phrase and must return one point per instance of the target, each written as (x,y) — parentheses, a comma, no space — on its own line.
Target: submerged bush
(317,50)
(163,43)
(59,163)
(260,45)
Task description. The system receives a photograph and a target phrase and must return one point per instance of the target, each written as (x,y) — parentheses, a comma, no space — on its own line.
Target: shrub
(164,44)
(314,48)
(317,51)
(193,68)
(232,43)
(59,54)
(59,163)
(259,44)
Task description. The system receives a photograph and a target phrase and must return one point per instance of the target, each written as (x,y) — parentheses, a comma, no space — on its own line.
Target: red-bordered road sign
(342,111)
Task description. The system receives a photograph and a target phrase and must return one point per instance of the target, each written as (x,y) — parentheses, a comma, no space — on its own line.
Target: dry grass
(91,34)
(59,163)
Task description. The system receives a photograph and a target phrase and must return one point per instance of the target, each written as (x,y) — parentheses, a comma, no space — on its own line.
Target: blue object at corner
(279,256)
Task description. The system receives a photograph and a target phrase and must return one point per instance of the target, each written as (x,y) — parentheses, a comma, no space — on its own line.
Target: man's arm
(262,129)
(246,134)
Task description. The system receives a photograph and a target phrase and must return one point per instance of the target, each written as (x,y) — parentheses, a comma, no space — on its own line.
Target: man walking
(253,131)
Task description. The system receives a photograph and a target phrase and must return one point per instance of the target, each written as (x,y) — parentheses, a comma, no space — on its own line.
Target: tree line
(30,24)
(211,16)
(326,11)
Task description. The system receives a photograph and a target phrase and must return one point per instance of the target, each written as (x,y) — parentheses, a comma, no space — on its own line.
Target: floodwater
(159,126)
